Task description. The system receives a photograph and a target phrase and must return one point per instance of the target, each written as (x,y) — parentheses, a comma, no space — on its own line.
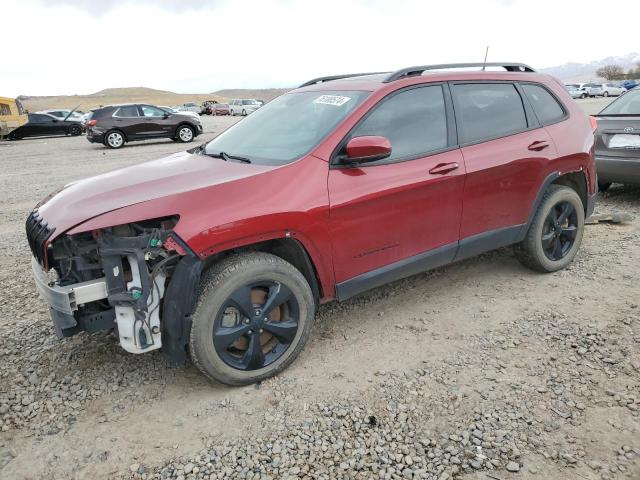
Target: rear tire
(114,139)
(231,337)
(555,234)
(244,112)
(75,130)
(605,94)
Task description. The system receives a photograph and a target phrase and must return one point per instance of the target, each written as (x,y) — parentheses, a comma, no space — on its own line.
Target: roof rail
(336,77)
(413,71)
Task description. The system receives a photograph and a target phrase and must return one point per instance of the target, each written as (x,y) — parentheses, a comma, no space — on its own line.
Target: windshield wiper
(226,157)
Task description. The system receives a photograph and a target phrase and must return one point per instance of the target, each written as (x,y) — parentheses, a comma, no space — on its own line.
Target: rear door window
(485,111)
(127,111)
(546,107)
(414,121)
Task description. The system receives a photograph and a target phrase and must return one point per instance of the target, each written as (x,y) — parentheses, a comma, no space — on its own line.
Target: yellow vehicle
(11,115)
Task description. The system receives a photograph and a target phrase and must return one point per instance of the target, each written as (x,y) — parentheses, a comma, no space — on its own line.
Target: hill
(111,96)
(585,72)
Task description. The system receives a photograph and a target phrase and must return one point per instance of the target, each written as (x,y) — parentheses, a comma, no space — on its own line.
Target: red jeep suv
(223,252)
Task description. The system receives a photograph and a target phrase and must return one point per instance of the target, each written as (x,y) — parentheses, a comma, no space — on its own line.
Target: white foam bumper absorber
(137,336)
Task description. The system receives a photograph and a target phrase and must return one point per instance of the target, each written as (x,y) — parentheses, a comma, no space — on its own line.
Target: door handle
(443,168)
(538,145)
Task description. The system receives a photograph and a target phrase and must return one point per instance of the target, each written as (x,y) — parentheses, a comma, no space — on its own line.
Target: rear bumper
(620,170)
(95,137)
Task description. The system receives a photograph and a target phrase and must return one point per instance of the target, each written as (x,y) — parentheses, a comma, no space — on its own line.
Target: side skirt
(404,268)
(484,242)
(453,252)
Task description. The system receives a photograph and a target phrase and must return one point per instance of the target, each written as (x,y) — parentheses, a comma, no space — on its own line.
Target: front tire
(244,112)
(253,318)
(185,134)
(605,94)
(555,234)
(114,139)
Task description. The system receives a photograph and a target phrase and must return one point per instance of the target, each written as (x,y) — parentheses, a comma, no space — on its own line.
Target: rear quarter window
(485,111)
(546,107)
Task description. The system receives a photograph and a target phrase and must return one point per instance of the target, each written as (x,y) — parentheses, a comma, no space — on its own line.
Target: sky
(56,47)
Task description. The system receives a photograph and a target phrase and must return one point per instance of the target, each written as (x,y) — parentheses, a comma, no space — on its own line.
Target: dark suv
(225,251)
(117,124)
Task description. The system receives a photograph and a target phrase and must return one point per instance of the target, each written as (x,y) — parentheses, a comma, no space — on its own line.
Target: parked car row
(584,90)
(606,89)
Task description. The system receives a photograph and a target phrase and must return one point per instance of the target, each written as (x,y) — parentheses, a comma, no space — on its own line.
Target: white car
(611,89)
(244,106)
(574,90)
(189,107)
(181,112)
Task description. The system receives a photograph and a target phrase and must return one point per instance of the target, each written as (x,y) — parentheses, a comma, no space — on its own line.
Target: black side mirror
(166,115)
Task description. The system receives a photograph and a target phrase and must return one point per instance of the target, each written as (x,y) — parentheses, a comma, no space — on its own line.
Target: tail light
(92,123)
(594,123)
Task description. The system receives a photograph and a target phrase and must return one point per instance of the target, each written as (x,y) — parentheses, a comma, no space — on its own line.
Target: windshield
(286,128)
(627,104)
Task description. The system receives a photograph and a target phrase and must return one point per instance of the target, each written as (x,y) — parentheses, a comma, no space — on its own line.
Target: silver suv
(244,106)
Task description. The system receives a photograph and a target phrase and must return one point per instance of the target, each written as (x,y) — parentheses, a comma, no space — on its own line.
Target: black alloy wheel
(559,231)
(555,232)
(256,325)
(254,316)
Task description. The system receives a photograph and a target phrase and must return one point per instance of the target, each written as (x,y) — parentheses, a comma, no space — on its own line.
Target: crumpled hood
(177,173)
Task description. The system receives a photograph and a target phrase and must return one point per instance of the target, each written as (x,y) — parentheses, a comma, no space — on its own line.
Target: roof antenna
(485,58)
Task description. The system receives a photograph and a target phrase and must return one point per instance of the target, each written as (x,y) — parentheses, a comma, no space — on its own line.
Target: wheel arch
(575,180)
(182,124)
(290,250)
(124,135)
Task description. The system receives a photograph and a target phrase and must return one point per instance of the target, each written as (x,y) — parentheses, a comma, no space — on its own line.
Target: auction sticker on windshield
(335,100)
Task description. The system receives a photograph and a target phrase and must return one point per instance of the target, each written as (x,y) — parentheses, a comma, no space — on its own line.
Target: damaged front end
(139,279)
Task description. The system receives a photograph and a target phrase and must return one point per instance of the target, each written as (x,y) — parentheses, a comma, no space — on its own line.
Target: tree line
(616,72)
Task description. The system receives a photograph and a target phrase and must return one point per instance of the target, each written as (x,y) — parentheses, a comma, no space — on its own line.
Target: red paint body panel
(503,178)
(350,220)
(418,211)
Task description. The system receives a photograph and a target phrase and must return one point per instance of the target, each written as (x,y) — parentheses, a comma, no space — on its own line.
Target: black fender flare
(534,208)
(178,304)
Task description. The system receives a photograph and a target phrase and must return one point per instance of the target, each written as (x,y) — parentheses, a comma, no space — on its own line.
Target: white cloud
(64,47)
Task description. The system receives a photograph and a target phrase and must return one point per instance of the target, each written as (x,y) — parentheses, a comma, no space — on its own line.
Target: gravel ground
(481,370)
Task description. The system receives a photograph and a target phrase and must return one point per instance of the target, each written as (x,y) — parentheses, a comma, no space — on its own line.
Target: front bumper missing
(66,300)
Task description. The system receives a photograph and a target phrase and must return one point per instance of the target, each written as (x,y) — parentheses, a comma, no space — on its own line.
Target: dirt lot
(481,370)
